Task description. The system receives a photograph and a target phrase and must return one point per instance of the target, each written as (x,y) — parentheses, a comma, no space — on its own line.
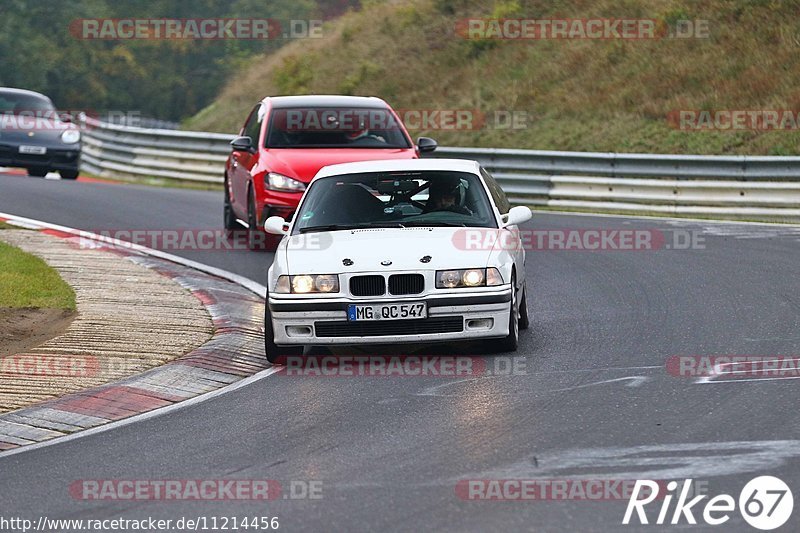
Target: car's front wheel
(510,342)
(37,172)
(69,174)
(276,354)
(257,239)
(230,222)
(524,321)
(253,233)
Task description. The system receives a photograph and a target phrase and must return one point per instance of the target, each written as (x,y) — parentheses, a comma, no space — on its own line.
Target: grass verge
(26,281)
(161,182)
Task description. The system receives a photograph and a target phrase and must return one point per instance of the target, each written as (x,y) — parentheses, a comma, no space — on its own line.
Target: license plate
(405,311)
(37,150)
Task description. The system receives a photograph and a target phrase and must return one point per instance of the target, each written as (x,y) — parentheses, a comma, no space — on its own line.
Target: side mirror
(276,226)
(517,215)
(426,144)
(242,144)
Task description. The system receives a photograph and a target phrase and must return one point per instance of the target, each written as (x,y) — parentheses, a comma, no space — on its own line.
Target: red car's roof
(325,100)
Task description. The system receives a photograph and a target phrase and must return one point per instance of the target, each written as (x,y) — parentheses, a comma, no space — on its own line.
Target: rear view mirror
(396,187)
(517,215)
(242,144)
(426,144)
(275,225)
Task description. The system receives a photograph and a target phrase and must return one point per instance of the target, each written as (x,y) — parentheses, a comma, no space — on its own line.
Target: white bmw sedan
(402,251)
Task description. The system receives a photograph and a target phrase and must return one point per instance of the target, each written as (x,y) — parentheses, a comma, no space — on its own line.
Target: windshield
(16,103)
(331,127)
(395,199)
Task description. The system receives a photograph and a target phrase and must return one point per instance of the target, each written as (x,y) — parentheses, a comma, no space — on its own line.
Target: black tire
(69,174)
(37,172)
(276,354)
(510,342)
(257,238)
(524,321)
(230,222)
(254,240)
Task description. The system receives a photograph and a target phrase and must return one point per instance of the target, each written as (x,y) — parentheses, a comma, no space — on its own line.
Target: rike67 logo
(765,502)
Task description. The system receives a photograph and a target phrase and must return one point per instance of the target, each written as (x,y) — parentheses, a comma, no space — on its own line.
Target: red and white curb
(232,358)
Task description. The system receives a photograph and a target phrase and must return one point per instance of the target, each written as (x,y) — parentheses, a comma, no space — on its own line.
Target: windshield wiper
(435,224)
(328,227)
(363,225)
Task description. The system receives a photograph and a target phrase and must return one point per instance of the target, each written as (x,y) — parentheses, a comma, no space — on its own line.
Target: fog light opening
(480,323)
(299,331)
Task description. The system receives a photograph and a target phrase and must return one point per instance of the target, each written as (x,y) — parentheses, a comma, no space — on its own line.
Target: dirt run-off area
(24,328)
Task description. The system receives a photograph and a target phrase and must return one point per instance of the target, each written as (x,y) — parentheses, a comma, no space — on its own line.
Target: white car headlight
(279,182)
(468,277)
(71,136)
(307,283)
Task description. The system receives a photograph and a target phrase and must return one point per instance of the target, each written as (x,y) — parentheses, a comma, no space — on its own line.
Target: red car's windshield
(331,127)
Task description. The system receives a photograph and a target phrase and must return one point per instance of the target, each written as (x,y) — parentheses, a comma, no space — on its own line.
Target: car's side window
(498,195)
(252,127)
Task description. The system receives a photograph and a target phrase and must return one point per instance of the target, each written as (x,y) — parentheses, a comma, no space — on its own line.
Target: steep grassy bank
(604,95)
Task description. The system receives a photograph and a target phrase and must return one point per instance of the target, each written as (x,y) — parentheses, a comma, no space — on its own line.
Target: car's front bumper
(451,317)
(55,158)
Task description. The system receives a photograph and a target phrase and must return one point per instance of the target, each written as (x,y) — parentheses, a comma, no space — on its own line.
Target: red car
(287,139)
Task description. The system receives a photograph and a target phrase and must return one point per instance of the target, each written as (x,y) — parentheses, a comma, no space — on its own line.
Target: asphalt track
(592,399)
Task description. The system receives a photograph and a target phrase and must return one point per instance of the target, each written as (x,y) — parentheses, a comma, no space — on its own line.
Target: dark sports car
(35,136)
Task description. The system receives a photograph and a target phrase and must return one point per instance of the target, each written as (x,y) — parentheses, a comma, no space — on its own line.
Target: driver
(362,131)
(444,194)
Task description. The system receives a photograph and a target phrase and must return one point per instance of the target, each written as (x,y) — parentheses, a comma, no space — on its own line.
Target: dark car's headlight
(70,136)
(468,277)
(307,283)
(279,182)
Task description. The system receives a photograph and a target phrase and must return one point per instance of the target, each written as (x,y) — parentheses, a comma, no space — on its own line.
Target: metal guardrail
(115,151)
(759,187)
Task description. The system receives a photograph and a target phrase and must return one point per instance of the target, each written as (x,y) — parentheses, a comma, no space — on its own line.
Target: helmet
(445,186)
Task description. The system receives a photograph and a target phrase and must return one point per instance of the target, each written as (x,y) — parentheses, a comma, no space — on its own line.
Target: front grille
(375,328)
(406,284)
(367,285)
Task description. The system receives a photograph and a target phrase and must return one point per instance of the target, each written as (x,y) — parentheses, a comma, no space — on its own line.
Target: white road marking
(660,461)
(635,381)
(719,373)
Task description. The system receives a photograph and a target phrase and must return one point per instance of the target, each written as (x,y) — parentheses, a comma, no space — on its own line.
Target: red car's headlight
(278,182)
